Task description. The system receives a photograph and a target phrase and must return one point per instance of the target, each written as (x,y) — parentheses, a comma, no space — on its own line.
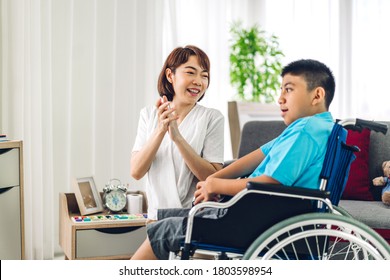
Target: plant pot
(240,112)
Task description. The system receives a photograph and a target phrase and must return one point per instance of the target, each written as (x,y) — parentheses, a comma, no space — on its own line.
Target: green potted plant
(255,68)
(255,63)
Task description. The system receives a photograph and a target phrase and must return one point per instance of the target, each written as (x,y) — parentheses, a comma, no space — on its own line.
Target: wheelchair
(268,221)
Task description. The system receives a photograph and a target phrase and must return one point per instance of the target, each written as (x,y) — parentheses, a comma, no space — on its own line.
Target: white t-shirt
(169,182)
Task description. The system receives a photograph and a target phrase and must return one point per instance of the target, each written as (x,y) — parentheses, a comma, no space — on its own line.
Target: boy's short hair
(316,74)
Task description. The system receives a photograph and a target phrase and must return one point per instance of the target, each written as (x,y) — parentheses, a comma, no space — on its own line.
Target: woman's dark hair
(176,58)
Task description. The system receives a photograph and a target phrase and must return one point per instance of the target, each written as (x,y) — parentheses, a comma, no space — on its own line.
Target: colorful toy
(384,181)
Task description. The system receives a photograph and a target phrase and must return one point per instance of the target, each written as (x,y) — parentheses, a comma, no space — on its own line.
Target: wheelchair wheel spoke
(320,236)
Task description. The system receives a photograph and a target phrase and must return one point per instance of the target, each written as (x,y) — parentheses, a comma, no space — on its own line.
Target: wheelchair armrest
(263,189)
(277,188)
(209,204)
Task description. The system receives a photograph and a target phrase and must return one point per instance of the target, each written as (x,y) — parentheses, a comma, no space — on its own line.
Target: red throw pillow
(358,183)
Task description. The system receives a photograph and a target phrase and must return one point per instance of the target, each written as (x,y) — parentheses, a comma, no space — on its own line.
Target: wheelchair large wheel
(341,211)
(319,236)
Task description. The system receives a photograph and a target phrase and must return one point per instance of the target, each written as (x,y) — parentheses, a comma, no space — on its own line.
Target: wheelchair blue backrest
(337,162)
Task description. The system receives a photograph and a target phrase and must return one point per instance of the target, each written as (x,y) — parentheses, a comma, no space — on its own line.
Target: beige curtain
(74,75)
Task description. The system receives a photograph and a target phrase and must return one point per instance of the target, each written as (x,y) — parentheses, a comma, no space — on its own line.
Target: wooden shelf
(12,200)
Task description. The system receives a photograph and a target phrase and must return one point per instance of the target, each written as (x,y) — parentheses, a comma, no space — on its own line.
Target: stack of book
(3,138)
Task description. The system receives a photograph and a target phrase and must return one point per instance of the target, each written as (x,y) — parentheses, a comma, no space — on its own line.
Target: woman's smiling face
(189,81)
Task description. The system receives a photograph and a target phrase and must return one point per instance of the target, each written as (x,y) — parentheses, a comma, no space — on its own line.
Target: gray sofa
(373,213)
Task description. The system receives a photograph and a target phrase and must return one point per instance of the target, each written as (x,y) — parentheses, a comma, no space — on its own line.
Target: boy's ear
(319,96)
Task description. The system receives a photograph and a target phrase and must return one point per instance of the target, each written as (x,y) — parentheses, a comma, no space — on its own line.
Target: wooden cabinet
(97,240)
(11,201)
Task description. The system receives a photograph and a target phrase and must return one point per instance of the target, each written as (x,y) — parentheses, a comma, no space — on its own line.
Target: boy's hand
(202,193)
(378,181)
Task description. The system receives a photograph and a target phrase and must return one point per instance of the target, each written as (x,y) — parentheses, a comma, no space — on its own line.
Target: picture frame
(87,196)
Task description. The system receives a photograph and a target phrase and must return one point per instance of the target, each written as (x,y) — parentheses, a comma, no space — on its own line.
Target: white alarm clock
(114,196)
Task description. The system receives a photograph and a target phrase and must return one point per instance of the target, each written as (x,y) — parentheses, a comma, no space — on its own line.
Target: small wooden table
(97,240)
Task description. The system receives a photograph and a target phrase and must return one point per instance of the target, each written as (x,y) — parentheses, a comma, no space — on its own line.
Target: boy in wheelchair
(294,158)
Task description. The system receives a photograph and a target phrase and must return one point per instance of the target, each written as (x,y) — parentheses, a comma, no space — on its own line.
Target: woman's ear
(169,74)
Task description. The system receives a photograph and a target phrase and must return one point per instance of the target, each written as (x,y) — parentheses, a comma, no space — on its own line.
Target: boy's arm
(224,181)
(241,167)
(207,190)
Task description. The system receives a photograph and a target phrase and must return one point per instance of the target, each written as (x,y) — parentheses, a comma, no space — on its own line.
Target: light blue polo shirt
(295,158)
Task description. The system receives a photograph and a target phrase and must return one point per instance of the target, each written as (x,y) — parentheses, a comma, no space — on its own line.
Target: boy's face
(295,101)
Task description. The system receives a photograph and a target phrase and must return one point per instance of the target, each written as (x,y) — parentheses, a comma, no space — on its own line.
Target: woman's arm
(212,146)
(141,160)
(199,166)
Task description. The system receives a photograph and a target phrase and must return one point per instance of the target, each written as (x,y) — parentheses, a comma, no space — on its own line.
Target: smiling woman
(188,80)
(179,142)
(192,61)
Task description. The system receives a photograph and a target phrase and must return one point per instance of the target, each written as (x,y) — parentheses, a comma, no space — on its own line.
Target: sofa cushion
(375,214)
(257,133)
(358,184)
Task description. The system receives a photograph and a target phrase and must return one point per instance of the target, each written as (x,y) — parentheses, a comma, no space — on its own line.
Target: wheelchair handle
(359,124)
